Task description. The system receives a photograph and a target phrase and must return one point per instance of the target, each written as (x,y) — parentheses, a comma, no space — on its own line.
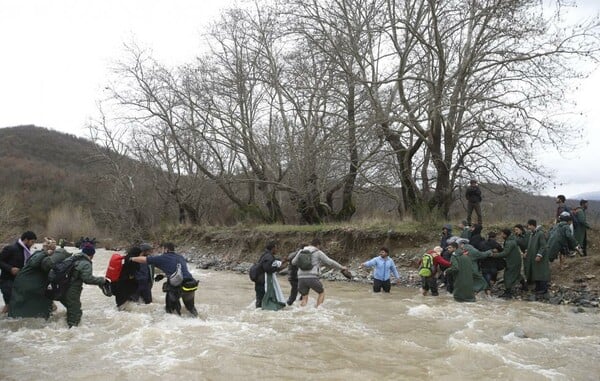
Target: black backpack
(59,277)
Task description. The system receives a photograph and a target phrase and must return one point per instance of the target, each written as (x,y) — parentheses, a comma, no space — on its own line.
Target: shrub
(71,222)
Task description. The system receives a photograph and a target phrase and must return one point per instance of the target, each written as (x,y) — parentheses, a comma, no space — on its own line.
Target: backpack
(59,277)
(426,268)
(254,271)
(115,265)
(304,261)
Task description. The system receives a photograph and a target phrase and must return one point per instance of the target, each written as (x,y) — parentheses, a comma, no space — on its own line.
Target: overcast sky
(56,58)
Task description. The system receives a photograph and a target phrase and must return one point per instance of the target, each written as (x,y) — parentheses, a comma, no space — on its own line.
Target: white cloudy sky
(56,57)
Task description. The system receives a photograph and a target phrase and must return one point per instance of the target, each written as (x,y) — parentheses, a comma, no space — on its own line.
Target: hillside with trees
(62,185)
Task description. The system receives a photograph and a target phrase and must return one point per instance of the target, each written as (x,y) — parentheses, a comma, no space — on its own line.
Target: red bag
(115,265)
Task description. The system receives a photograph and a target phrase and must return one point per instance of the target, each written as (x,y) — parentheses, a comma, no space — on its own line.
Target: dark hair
(170,246)
(271,245)
(453,244)
(383,248)
(532,222)
(316,241)
(134,251)
(491,235)
(561,198)
(28,235)
(520,227)
(583,202)
(506,232)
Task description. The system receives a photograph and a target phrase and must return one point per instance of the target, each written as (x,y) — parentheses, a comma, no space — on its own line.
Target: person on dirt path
(580,230)
(561,241)
(384,268)
(536,262)
(309,279)
(473,196)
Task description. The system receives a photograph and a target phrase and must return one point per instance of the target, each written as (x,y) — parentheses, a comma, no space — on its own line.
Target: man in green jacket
(82,273)
(461,270)
(512,255)
(580,230)
(561,240)
(29,289)
(479,282)
(537,264)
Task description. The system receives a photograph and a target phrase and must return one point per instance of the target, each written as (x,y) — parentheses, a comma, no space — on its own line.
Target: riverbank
(236,249)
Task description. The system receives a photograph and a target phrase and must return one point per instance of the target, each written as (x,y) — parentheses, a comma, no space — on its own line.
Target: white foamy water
(355,335)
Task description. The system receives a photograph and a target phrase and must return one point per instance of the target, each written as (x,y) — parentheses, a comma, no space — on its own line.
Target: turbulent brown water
(355,335)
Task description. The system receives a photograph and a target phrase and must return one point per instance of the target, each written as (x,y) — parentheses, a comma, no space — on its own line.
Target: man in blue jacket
(384,267)
(169,262)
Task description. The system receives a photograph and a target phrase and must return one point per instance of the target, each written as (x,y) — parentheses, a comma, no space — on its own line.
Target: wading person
(12,259)
(82,273)
(309,279)
(428,268)
(144,276)
(28,298)
(384,268)
(479,283)
(126,286)
(265,266)
(293,276)
(462,273)
(180,283)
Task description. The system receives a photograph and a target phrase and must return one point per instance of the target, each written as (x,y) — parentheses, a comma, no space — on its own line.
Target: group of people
(472,262)
(27,275)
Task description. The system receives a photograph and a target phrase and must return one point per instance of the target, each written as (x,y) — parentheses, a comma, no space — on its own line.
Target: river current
(354,335)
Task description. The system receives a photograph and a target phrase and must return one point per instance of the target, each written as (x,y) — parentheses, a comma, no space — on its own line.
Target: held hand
(538,258)
(14,270)
(159,277)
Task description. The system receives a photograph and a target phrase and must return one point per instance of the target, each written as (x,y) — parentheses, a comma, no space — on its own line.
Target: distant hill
(42,169)
(588,196)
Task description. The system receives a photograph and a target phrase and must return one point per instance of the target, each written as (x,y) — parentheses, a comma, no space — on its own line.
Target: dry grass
(71,223)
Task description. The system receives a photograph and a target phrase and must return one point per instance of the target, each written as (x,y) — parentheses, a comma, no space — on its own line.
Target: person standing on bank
(580,230)
(170,263)
(473,196)
(12,259)
(384,268)
(309,279)
(537,263)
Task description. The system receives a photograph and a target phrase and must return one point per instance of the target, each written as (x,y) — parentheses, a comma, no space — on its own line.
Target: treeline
(297,112)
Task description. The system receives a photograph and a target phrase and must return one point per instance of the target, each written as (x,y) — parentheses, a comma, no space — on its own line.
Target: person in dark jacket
(127,285)
(169,262)
(12,259)
(473,196)
(144,276)
(491,265)
(82,273)
(476,239)
(28,299)
(266,267)
(293,275)
(446,233)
